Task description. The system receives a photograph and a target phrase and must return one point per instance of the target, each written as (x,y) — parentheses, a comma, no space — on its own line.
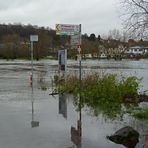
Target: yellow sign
(67,29)
(58,29)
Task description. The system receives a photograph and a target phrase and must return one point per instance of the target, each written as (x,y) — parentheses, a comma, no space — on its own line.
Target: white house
(103,56)
(137,50)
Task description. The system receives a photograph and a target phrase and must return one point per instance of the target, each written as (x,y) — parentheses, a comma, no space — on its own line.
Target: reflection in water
(13,113)
(33,122)
(63,105)
(142,127)
(76,133)
(41,80)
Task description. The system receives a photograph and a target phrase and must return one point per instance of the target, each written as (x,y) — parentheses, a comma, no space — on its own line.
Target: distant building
(103,56)
(137,50)
(87,55)
(90,55)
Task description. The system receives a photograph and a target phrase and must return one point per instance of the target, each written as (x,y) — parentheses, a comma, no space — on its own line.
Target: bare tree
(136,17)
(114,34)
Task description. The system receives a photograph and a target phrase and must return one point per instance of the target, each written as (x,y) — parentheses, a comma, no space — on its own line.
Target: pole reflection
(63,105)
(76,132)
(33,122)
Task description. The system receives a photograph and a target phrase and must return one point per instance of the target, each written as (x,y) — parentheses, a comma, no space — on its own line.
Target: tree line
(15,42)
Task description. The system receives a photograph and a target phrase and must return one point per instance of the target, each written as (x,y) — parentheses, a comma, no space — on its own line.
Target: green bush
(143,114)
(101,93)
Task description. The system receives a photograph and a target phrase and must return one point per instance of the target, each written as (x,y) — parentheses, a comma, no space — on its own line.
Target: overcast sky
(96,16)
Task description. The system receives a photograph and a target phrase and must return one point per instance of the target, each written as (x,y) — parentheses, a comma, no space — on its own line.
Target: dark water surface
(39,120)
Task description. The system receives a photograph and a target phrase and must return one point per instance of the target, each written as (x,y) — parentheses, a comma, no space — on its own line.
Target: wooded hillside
(15,42)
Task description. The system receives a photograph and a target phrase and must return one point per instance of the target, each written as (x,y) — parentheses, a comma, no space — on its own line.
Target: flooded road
(38,120)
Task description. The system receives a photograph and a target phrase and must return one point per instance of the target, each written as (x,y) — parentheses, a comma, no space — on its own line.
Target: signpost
(67,29)
(33,38)
(75,32)
(33,122)
(75,40)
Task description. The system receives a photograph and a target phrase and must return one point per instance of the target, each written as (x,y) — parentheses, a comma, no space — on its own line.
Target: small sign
(67,29)
(34,38)
(75,40)
(62,56)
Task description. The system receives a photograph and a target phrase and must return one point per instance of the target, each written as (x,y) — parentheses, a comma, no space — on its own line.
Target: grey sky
(96,16)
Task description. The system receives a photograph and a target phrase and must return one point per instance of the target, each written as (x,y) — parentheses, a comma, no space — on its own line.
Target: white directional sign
(75,40)
(33,38)
(66,29)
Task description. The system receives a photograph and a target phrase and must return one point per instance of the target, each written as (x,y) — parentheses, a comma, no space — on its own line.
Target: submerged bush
(101,93)
(70,85)
(142,114)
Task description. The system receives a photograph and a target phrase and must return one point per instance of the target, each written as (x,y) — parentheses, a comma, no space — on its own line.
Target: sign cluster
(72,30)
(65,29)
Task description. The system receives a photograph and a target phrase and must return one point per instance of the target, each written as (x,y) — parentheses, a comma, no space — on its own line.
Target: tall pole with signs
(80,58)
(33,38)
(75,32)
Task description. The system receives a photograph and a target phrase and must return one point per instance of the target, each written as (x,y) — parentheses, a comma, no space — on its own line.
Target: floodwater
(32,118)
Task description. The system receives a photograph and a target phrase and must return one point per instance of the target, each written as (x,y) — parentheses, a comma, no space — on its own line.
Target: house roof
(139,47)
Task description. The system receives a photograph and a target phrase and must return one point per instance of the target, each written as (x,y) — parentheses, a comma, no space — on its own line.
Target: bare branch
(136,16)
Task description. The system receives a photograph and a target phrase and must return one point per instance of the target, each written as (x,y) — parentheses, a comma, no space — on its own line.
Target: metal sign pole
(32,110)
(80,64)
(80,69)
(33,38)
(32,79)
(65,72)
(32,62)
(75,32)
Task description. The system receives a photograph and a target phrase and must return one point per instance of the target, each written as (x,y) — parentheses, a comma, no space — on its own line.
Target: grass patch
(143,114)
